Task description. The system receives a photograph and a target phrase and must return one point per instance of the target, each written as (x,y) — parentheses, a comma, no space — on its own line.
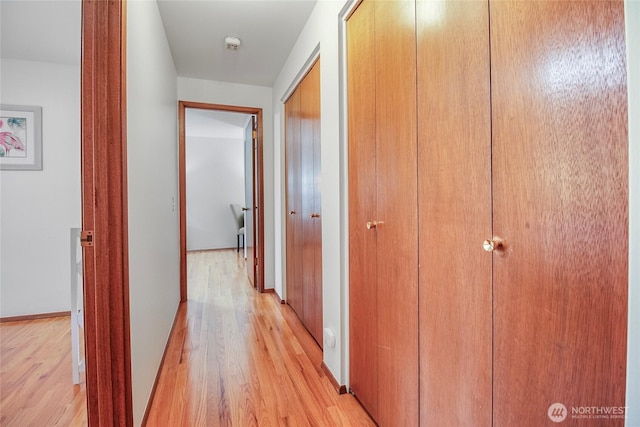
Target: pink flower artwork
(12,135)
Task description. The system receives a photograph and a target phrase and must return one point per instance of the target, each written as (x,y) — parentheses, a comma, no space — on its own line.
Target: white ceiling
(49,31)
(268,30)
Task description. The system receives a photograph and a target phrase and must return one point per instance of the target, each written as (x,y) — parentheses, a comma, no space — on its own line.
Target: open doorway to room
(221,185)
(40,380)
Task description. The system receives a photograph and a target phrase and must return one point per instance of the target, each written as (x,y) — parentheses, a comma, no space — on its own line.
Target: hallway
(237,357)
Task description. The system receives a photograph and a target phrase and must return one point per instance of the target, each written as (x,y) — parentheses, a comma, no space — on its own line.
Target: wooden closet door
(383,265)
(454,180)
(317,325)
(363,302)
(294,204)
(560,184)
(397,232)
(311,250)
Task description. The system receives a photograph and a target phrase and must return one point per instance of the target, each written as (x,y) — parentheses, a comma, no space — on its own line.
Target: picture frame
(20,137)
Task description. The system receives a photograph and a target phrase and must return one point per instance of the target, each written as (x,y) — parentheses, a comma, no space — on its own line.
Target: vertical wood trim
(104,206)
(259,200)
(124,185)
(182,105)
(182,176)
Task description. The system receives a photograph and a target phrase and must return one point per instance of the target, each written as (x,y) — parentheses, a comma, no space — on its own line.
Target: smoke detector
(232,43)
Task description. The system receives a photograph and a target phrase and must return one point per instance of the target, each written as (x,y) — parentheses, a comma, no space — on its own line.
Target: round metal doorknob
(492,245)
(245,209)
(314,215)
(488,245)
(292,212)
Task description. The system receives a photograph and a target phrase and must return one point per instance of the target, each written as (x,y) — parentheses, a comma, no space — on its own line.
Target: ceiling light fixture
(232,43)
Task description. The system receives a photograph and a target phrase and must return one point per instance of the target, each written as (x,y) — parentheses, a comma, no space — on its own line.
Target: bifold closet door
(383,210)
(363,295)
(548,181)
(304,227)
(397,194)
(311,250)
(560,202)
(294,203)
(454,146)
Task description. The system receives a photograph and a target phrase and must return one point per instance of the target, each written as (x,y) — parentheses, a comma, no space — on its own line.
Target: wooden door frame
(182,106)
(105,212)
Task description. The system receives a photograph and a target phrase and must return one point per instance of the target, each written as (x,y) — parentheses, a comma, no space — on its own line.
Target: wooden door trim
(104,205)
(182,173)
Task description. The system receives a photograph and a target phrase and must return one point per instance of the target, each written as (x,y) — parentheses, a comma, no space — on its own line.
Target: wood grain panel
(304,243)
(294,209)
(250,242)
(306,250)
(397,239)
(310,193)
(560,202)
(182,185)
(104,211)
(317,328)
(363,302)
(258,205)
(454,140)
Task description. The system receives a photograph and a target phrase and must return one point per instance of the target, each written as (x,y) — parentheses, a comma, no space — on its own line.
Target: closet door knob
(373,224)
(492,245)
(314,215)
(292,212)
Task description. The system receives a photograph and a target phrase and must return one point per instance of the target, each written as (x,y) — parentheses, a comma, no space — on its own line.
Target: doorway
(254,214)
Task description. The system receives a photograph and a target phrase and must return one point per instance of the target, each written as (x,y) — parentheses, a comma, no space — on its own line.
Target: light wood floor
(36,388)
(237,357)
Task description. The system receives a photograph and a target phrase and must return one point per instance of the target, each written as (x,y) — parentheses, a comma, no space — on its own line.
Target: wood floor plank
(36,387)
(240,358)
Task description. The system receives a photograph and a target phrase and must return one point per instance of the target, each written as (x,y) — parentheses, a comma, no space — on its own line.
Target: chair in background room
(239,216)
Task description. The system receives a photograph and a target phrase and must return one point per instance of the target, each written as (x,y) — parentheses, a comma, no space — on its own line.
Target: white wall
(244,96)
(321,29)
(39,207)
(215,178)
(154,273)
(632,12)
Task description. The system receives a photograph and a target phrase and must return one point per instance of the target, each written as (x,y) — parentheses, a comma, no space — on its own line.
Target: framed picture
(20,137)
